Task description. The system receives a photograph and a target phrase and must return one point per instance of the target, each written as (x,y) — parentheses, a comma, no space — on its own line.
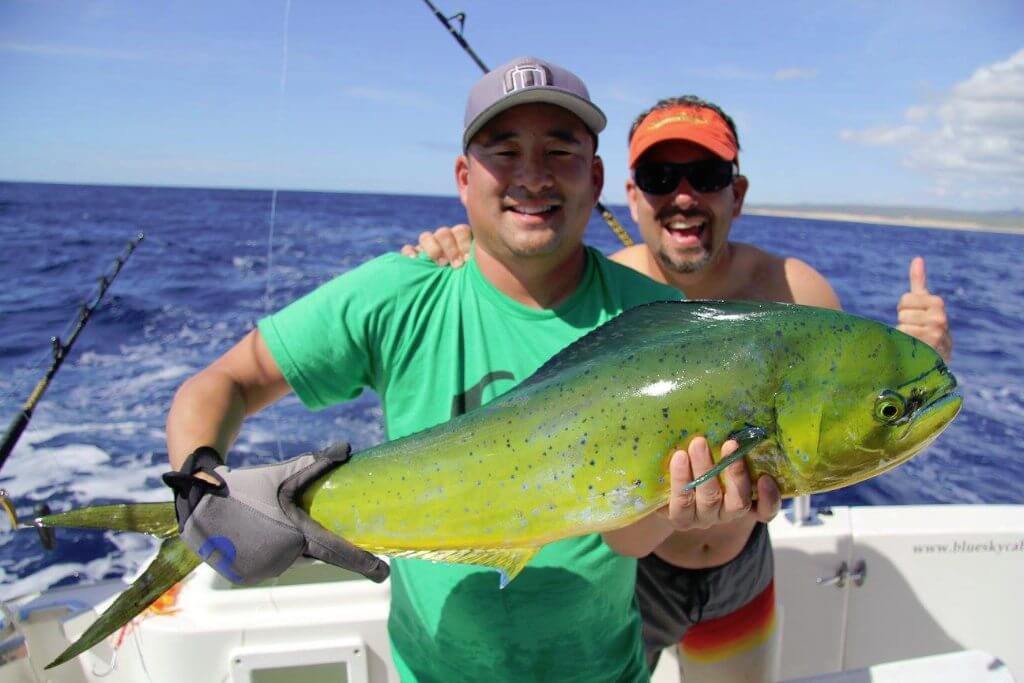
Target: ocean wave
(190,292)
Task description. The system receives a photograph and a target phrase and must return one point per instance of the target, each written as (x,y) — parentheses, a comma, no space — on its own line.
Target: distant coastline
(1011,223)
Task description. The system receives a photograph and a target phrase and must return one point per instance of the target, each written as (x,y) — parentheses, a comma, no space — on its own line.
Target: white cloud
(881,135)
(795,73)
(971,141)
(917,114)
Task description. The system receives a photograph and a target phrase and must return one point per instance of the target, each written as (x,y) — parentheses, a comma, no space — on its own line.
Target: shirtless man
(711,590)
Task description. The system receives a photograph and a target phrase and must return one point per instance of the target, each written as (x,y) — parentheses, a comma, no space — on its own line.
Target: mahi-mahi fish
(818,399)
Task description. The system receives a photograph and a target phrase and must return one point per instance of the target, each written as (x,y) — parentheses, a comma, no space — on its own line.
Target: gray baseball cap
(528,80)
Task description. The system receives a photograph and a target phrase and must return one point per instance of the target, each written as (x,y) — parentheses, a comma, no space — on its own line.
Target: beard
(534,245)
(685,266)
(690,260)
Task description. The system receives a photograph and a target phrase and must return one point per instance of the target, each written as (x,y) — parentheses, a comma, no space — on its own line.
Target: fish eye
(889,407)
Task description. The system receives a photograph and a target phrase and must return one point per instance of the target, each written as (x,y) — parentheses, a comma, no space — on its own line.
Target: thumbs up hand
(922,314)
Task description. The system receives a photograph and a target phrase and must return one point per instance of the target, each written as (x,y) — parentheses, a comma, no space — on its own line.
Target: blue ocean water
(205,274)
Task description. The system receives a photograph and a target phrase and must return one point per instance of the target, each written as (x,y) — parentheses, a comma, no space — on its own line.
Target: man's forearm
(207,410)
(640,538)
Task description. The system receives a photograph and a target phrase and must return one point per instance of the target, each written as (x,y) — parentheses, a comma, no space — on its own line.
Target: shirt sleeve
(329,343)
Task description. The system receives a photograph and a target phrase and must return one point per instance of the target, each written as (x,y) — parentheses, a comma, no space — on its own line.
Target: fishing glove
(249,526)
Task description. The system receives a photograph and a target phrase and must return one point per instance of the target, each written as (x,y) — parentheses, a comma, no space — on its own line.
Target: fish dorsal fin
(660,321)
(171,565)
(508,561)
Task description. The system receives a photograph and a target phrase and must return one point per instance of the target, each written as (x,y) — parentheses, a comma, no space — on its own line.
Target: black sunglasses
(706,175)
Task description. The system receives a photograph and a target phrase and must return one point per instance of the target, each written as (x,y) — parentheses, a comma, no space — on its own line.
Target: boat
(866,593)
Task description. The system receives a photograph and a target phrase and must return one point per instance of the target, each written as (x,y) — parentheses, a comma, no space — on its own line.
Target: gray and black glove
(249,526)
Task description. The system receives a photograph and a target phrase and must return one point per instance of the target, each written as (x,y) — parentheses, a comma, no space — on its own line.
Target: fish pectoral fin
(799,431)
(171,565)
(156,519)
(508,561)
(748,437)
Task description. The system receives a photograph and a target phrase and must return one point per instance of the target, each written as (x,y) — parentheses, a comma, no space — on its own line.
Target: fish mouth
(942,409)
(935,414)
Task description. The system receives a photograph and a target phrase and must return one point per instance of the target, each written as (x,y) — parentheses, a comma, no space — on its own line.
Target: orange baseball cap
(699,125)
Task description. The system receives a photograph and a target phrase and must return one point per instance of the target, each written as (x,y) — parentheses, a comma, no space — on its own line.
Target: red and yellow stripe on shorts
(748,627)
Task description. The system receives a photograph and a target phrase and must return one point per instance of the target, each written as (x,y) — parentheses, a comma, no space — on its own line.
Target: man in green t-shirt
(434,343)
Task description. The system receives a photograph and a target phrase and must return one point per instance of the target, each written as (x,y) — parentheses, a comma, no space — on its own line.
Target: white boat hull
(858,587)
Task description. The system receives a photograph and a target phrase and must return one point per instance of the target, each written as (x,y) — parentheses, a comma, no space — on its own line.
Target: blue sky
(873,102)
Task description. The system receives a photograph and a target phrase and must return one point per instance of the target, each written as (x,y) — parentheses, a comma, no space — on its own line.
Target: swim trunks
(673,599)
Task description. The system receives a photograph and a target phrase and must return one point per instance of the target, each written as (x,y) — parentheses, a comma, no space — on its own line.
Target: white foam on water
(1005,400)
(45,468)
(165,374)
(81,480)
(78,474)
(39,581)
(20,564)
(133,483)
(244,264)
(97,359)
(126,563)
(41,431)
(117,400)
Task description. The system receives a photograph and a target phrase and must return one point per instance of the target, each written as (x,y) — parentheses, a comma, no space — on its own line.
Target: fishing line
(606,214)
(268,290)
(269,286)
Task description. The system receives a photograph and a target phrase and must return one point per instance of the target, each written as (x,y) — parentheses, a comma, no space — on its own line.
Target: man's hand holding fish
(701,507)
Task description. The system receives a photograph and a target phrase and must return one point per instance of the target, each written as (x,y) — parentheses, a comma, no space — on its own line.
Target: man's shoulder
(382,285)
(387,273)
(397,264)
(777,277)
(634,256)
(807,285)
(630,280)
(619,268)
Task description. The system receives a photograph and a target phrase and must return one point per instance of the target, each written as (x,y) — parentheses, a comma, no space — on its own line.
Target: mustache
(669,213)
(524,196)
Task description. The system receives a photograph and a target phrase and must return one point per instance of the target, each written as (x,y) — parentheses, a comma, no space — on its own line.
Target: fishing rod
(606,214)
(60,352)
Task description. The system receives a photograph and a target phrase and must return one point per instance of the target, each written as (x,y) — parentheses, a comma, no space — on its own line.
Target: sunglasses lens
(657,178)
(710,175)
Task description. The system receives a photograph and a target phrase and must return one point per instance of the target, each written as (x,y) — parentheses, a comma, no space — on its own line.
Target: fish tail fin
(172,563)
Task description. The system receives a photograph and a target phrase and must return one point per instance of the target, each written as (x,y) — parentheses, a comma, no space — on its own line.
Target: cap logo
(523,76)
(680,117)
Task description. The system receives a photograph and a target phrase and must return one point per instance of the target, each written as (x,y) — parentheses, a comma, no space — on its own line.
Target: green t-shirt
(434,343)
